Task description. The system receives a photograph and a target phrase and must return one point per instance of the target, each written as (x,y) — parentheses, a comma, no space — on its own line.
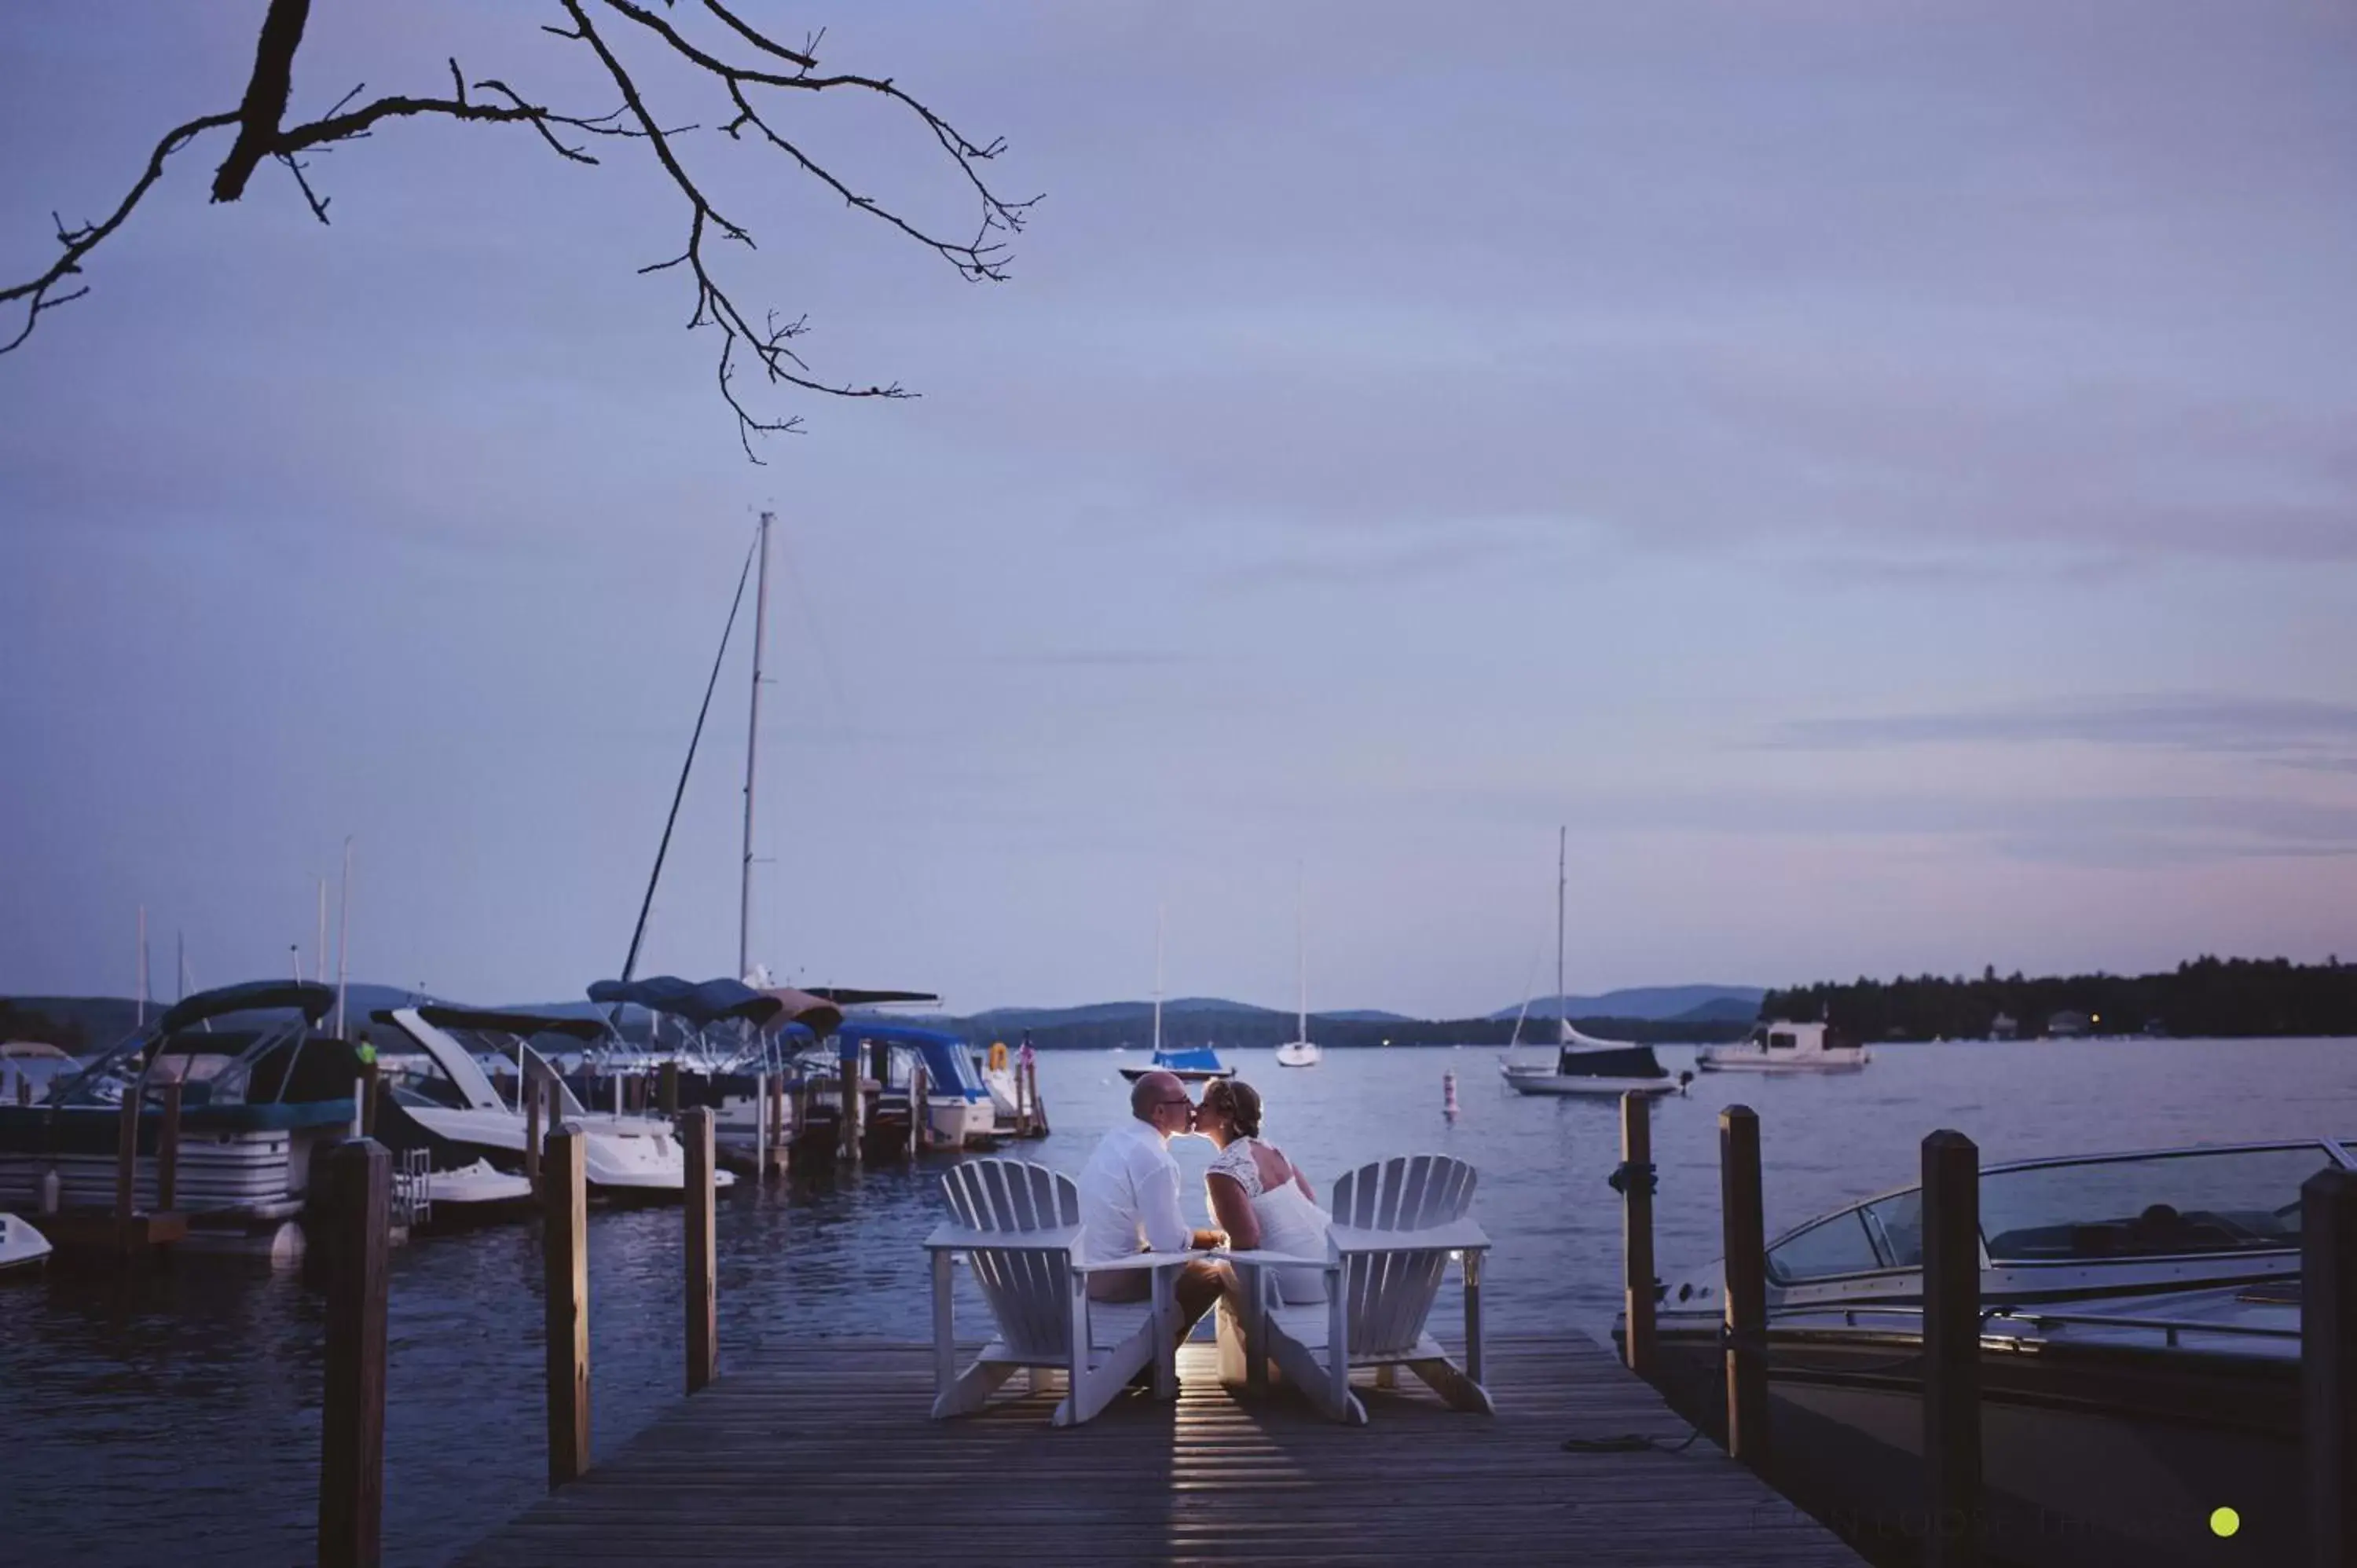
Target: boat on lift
(2139,1354)
(1785,1047)
(1582,1063)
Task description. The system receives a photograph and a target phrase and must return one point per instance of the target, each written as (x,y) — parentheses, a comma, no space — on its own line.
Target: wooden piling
(702,1326)
(1743,1234)
(127,1155)
(358,1181)
(917,1112)
(775,1089)
(368,1098)
(528,1090)
(2327,1363)
(1038,1107)
(667,1088)
(1952,1349)
(1637,1232)
(168,1150)
(564,1255)
(848,1122)
(1022,1106)
(23,1087)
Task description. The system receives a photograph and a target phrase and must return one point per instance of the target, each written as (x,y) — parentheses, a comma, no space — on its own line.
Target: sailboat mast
(143,966)
(343,931)
(1562,1007)
(753,756)
(1158,980)
(1301,955)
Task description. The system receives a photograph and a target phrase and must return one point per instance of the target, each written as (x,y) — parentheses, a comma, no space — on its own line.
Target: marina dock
(825,1453)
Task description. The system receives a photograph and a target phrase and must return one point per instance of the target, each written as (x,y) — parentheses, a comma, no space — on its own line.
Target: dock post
(168,1150)
(565,1254)
(23,1087)
(1039,1111)
(1637,1231)
(2328,1362)
(367,1107)
(667,1085)
(919,1113)
(126,1159)
(1022,1106)
(351,1413)
(528,1090)
(760,1124)
(703,1344)
(1952,1349)
(1743,1232)
(847,1119)
(777,1098)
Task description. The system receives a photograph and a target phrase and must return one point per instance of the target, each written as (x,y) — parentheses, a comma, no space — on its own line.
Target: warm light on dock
(2224,1521)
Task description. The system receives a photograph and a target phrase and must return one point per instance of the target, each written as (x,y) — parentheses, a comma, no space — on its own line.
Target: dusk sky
(1882,475)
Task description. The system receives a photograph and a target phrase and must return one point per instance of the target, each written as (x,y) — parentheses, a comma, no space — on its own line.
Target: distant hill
(1728,1003)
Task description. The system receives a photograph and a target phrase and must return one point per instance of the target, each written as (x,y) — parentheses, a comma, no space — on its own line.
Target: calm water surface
(182,1406)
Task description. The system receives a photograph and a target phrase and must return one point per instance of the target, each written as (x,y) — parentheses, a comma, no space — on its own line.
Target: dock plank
(824,1452)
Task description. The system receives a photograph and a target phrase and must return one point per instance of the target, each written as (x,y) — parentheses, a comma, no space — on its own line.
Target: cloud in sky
(1759,438)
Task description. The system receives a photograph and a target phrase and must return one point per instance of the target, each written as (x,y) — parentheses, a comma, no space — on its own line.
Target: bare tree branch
(76,243)
(263,134)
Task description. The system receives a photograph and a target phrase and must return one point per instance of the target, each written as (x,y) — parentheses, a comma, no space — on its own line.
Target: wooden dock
(824,1454)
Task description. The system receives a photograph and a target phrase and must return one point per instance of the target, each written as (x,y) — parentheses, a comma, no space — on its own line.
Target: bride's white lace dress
(1289,1222)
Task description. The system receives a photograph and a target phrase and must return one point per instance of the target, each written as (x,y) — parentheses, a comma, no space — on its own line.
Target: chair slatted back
(1029,1292)
(1390,1295)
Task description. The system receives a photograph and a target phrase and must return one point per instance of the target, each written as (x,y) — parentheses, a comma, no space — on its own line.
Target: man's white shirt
(1129,1196)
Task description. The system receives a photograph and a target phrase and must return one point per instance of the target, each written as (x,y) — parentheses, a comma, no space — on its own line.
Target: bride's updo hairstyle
(1239,1101)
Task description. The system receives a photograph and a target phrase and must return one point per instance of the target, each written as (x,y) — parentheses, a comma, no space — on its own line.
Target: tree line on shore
(2201,998)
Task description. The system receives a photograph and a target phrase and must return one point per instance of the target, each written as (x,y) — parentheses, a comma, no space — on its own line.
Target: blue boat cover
(250,997)
(948,1061)
(1194,1058)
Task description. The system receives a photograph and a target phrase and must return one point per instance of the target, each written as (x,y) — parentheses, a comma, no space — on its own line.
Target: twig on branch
(262,134)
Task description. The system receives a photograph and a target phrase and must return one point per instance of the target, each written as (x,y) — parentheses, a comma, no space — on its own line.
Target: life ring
(998,1055)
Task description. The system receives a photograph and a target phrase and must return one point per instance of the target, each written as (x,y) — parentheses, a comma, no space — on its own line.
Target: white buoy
(1448,1094)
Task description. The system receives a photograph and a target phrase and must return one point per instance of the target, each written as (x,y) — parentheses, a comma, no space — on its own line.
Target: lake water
(173,1415)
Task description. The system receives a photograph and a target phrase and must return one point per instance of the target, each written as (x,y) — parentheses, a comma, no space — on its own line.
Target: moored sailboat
(1582,1063)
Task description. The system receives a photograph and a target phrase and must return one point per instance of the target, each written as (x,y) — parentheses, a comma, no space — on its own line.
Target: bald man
(1129,1202)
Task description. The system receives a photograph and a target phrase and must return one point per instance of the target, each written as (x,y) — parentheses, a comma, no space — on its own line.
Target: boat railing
(2170,1329)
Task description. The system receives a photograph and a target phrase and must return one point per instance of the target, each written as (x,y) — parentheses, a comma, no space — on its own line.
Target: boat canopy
(444,1016)
(948,1061)
(309,997)
(702,1004)
(1608,1059)
(1190,1058)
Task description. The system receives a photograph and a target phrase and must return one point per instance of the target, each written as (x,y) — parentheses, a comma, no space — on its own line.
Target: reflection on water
(175,1415)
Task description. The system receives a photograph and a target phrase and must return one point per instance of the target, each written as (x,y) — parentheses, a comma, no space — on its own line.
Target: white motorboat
(1581,1064)
(2139,1354)
(439,1084)
(1784,1048)
(1300,1050)
(21,1246)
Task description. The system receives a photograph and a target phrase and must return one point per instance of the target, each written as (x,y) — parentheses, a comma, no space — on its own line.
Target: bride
(1258,1196)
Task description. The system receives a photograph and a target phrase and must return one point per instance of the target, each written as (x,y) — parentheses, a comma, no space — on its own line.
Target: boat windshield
(413,1077)
(2197,1200)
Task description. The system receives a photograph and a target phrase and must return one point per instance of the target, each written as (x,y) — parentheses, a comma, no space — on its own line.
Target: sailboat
(1300,1050)
(1582,1063)
(1189,1064)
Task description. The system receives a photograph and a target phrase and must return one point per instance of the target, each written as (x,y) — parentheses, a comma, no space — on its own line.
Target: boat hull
(2089,1461)
(1299,1054)
(1183,1074)
(22,1247)
(1707,1063)
(1574,1084)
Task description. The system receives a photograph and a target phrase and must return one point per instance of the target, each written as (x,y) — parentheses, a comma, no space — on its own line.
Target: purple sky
(1882,475)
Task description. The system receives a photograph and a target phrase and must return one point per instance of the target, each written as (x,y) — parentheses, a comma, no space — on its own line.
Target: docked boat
(437,1080)
(1581,1064)
(1784,1048)
(261,1092)
(22,1247)
(960,1107)
(2139,1356)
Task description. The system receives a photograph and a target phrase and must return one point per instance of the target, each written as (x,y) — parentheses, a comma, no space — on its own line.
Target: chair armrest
(1457,1236)
(1138,1261)
(959,1239)
(1258,1258)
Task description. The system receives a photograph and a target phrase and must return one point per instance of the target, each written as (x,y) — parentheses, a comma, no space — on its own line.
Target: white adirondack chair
(1017,1225)
(1396,1224)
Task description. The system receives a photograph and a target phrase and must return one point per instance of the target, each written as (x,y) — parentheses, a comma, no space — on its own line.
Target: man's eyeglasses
(1174,1099)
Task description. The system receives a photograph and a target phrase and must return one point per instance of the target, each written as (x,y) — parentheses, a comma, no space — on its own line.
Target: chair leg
(973,1388)
(1448,1380)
